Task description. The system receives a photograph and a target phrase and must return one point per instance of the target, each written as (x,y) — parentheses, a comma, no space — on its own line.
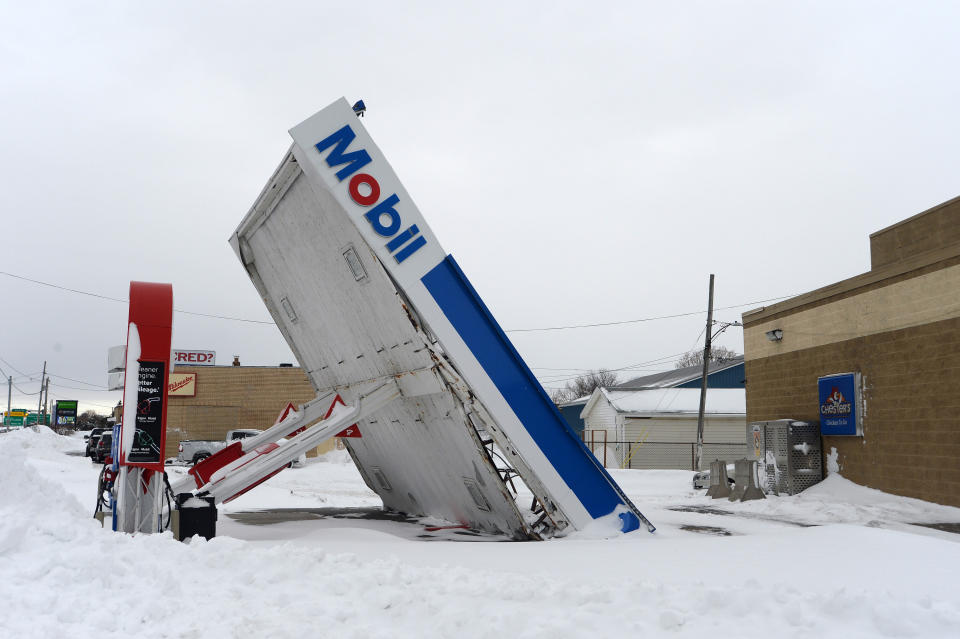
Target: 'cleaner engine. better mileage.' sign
(149,415)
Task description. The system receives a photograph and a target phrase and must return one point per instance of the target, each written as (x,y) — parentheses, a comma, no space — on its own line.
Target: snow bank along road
(860,570)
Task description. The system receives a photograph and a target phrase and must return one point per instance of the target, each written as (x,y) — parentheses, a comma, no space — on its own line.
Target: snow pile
(35,511)
(838,500)
(608,527)
(833,465)
(41,442)
(61,575)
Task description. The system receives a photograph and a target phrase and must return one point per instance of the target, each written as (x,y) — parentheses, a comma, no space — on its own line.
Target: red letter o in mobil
(359,198)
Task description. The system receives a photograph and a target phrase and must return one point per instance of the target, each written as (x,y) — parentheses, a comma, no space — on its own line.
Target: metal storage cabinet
(788,452)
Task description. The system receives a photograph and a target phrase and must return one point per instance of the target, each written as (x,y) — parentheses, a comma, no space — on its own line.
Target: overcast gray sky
(585,162)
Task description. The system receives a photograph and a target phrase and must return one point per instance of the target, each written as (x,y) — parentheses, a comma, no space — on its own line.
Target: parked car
(701,479)
(194,451)
(102,451)
(92,440)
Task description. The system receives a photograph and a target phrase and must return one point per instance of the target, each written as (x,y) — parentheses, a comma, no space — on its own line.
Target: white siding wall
(668,442)
(662,442)
(603,417)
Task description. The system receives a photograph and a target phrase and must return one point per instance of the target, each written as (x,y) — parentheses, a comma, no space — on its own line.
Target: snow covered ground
(839,560)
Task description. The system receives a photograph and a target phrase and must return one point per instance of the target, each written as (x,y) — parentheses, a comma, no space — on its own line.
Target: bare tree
(718,354)
(91,419)
(584,385)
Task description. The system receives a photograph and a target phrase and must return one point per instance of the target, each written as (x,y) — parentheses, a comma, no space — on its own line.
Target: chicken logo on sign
(836,404)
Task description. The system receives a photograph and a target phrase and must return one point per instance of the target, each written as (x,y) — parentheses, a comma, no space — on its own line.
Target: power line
(642,319)
(81,401)
(23,392)
(509,330)
(555,379)
(88,390)
(116,299)
(30,377)
(624,368)
(582,371)
(225,317)
(15,369)
(79,381)
(62,288)
(20,390)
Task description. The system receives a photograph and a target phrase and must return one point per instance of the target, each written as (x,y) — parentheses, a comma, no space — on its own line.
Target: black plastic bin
(198,516)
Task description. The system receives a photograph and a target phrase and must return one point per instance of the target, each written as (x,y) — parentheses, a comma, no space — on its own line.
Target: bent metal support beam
(260,460)
(361,290)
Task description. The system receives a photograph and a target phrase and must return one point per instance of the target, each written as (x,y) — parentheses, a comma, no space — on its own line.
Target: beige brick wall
(930,230)
(911,442)
(899,326)
(926,298)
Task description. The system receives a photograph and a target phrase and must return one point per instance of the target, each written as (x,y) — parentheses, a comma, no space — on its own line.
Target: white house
(657,427)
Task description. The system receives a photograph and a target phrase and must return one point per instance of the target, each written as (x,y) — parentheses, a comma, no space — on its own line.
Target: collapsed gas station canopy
(364,294)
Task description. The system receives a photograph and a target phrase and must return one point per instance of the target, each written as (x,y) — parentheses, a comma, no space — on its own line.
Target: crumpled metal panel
(348,325)
(361,288)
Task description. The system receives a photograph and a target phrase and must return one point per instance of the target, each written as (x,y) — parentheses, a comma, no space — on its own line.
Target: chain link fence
(663,455)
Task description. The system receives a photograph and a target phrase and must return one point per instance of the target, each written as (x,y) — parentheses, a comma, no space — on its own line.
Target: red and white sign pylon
(143,432)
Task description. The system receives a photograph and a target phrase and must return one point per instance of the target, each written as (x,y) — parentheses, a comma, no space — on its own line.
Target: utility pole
(703,381)
(42,378)
(46,401)
(9,392)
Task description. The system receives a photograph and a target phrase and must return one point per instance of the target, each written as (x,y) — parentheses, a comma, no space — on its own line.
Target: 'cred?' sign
(194,358)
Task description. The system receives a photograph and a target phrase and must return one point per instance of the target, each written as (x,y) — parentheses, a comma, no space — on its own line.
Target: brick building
(229,397)
(898,325)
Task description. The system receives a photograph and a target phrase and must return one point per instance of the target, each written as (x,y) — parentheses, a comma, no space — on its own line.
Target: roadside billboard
(65,412)
(194,358)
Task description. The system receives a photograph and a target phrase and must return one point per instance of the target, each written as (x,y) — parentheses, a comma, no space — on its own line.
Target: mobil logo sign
(382,211)
(336,150)
(194,358)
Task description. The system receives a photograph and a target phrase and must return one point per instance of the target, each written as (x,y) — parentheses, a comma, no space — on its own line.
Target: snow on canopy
(681,401)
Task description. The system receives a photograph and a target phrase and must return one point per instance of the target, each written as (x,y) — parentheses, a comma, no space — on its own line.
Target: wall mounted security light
(775,335)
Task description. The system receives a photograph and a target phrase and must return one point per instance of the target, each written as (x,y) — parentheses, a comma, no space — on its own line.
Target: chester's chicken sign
(194,358)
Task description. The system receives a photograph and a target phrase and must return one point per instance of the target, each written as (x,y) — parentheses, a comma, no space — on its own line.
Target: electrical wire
(642,319)
(509,330)
(101,389)
(15,369)
(9,377)
(551,379)
(623,368)
(107,406)
(79,381)
(89,390)
(116,299)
